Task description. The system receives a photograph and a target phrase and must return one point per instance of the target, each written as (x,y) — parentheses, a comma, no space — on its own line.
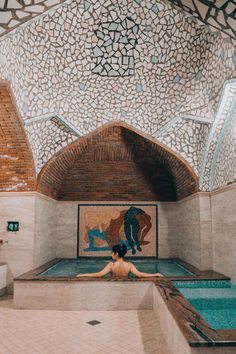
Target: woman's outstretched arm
(100,274)
(139,274)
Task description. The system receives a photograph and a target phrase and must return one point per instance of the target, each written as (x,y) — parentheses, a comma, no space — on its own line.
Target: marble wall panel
(87,296)
(180,232)
(193,230)
(205,231)
(66,232)
(187,231)
(66,235)
(199,229)
(175,338)
(223,231)
(17,248)
(45,230)
(33,245)
(3,278)
(167,231)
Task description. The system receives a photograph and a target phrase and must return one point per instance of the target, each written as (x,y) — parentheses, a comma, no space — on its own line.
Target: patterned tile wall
(219,14)
(142,62)
(47,136)
(15,12)
(186,135)
(223,168)
(220,137)
(216,14)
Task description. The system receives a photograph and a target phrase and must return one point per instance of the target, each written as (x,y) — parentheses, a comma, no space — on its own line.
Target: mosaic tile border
(47,135)
(227,125)
(228,92)
(50,116)
(186,135)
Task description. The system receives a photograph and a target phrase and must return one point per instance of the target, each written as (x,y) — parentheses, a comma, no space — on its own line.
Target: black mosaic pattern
(115,51)
(219,14)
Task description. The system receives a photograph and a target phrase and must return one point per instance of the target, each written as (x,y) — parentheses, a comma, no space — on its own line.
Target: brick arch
(117,162)
(17,171)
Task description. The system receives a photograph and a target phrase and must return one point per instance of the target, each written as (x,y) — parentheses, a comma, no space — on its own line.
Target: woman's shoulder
(129,264)
(109,265)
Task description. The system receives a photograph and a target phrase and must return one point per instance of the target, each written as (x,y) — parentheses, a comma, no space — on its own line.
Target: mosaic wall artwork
(218,132)
(100,226)
(115,49)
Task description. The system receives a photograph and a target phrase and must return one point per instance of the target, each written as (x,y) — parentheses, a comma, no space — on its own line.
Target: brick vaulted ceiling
(17,171)
(116,163)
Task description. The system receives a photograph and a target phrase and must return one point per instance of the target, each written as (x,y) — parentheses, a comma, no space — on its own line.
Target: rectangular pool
(71,267)
(215,300)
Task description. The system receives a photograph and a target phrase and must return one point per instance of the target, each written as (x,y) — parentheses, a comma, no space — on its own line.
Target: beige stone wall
(45,230)
(224,230)
(199,229)
(187,230)
(205,225)
(34,243)
(66,235)
(205,230)
(190,230)
(167,230)
(17,248)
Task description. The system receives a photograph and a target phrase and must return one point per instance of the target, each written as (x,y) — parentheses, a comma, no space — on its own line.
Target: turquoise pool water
(214,300)
(70,267)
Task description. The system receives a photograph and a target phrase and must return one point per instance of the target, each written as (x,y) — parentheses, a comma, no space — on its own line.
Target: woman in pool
(119,268)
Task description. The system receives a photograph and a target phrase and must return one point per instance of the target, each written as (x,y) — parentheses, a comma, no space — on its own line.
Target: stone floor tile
(67,332)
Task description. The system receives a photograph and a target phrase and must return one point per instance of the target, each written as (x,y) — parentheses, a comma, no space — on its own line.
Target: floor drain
(93,322)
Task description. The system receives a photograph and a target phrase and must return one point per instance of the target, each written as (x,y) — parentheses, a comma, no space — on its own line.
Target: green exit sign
(13,226)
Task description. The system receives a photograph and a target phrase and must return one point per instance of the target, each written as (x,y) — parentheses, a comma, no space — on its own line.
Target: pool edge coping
(221,337)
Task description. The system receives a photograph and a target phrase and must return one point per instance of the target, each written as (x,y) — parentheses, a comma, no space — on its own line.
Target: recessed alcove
(117,163)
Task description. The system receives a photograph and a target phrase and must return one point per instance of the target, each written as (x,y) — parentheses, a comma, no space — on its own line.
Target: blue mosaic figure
(132,227)
(92,233)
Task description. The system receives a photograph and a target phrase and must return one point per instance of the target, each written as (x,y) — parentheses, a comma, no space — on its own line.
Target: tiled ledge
(194,328)
(34,275)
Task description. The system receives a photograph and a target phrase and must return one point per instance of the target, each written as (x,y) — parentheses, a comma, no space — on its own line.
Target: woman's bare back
(120,269)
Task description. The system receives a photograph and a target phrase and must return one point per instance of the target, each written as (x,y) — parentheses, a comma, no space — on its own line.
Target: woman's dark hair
(120,249)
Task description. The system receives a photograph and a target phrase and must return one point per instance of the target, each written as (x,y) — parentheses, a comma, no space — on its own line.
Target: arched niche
(117,162)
